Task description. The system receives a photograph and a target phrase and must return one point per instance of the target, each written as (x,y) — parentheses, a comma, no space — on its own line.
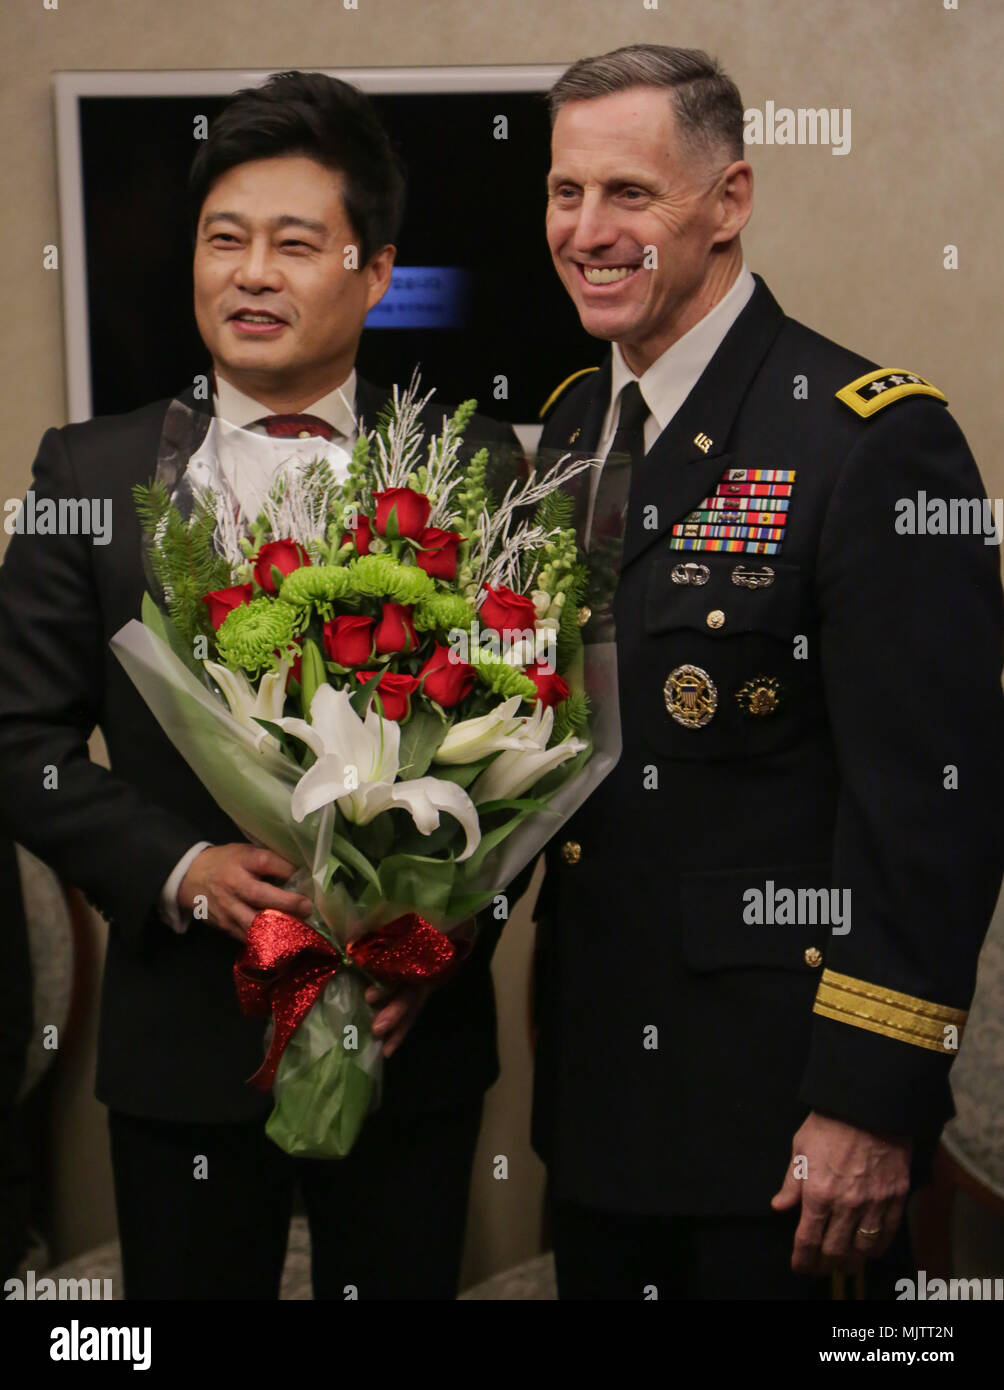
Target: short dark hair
(709,109)
(307,113)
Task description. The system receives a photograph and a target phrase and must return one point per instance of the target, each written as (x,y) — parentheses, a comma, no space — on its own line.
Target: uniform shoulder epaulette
(874,390)
(559,391)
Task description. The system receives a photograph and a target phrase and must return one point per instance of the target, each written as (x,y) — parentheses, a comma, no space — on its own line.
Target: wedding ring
(869,1235)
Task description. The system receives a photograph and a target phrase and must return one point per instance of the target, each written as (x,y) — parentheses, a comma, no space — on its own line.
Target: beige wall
(852,245)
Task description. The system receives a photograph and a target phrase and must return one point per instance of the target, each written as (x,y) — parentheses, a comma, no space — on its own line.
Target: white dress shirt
(336,409)
(667,383)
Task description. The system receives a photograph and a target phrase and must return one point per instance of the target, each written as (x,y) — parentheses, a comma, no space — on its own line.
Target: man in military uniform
(739,1074)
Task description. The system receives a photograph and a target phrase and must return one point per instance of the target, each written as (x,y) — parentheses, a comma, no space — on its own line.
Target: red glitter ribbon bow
(285,965)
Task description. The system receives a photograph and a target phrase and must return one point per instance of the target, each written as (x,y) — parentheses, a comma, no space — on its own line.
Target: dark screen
(474,202)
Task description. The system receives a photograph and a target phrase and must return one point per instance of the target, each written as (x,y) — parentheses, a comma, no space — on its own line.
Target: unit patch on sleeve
(877,389)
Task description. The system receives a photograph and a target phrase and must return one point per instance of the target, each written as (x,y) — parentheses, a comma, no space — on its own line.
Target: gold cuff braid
(886,1011)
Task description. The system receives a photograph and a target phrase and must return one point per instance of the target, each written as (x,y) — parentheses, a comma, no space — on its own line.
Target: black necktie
(630,436)
(606,533)
(626,448)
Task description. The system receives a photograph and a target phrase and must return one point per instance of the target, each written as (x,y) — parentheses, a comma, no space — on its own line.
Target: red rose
(285,555)
(438,556)
(447,680)
(551,689)
(394,689)
(223,601)
(394,632)
(506,611)
(362,533)
(401,511)
(349,640)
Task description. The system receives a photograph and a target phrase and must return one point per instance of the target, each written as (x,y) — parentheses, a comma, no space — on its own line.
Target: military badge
(690,573)
(760,696)
(745,578)
(691,696)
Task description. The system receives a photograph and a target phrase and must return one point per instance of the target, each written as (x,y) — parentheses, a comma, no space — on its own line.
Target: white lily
(471,739)
(246,703)
(357,764)
(517,769)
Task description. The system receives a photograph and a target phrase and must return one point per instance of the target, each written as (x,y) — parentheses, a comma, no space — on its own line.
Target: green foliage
(557,509)
(472,494)
(462,416)
(185,562)
(570,717)
(152,505)
(312,674)
(569,638)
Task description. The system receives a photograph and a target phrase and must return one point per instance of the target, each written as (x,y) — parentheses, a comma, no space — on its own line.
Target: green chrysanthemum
(441,612)
(314,586)
(380,576)
(249,636)
(505,680)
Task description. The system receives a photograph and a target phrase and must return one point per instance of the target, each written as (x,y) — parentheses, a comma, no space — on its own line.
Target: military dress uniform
(809,699)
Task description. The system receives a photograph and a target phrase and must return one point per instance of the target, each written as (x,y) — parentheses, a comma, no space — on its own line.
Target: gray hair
(709,109)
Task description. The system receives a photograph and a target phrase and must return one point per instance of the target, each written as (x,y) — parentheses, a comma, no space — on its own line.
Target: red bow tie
(295,426)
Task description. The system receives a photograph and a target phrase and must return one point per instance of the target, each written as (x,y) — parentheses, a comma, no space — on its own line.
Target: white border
(69,87)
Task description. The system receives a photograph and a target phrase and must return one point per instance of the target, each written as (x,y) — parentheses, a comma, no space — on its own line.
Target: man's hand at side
(849,1182)
(397,1009)
(234,881)
(396,1013)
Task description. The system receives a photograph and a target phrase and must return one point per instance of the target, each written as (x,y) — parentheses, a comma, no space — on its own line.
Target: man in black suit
(758,938)
(297,199)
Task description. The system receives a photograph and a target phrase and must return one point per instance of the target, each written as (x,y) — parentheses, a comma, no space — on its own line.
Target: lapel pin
(703,441)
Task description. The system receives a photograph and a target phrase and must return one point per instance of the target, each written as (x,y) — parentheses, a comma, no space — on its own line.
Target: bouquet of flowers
(381,676)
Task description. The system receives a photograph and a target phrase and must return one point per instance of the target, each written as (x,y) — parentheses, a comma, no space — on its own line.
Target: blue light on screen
(423,296)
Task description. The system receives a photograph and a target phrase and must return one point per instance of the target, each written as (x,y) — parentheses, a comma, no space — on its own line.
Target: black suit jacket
(846,784)
(172,1043)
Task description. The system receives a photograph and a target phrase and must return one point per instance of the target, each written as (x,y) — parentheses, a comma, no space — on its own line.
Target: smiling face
(642,231)
(275,304)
